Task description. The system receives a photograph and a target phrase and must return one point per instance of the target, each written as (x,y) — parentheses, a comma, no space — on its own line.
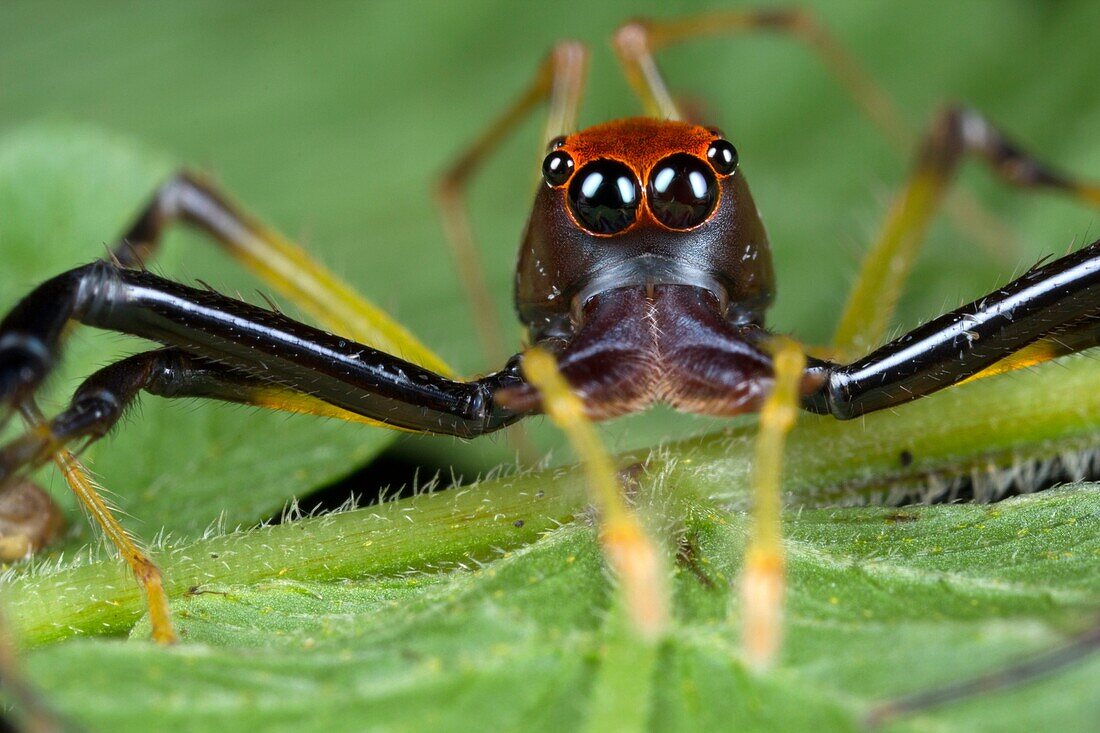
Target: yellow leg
(145,571)
(629,551)
(637,42)
(955,133)
(194,200)
(559,81)
(764,577)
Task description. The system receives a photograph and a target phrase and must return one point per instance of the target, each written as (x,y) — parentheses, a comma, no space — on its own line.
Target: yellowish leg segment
(637,42)
(194,200)
(83,486)
(764,576)
(1037,353)
(558,81)
(956,133)
(629,550)
(148,575)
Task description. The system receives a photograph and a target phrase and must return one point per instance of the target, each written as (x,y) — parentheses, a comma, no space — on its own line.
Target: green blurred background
(332,119)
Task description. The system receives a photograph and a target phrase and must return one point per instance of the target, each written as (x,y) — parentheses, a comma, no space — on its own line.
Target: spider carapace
(646,268)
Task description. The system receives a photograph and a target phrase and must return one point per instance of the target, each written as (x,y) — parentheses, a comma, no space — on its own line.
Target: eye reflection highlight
(592,184)
(626,190)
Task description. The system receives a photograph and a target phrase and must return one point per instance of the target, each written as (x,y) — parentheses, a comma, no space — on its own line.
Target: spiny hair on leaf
(983,480)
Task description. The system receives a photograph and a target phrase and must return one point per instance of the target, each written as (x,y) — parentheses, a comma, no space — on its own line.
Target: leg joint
(485,411)
(97,290)
(25,360)
(91,415)
(28,347)
(631,39)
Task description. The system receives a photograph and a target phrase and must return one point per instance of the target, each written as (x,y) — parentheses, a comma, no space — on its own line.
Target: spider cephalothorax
(641,202)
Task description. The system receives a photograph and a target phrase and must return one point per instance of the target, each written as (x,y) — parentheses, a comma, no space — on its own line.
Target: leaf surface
(879,606)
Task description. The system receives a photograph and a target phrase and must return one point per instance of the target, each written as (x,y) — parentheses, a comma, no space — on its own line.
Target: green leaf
(881,603)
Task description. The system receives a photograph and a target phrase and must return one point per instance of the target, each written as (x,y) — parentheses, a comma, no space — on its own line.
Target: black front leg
(264,345)
(1049,311)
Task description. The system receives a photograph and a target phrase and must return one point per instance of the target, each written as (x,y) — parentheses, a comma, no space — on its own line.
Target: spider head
(639,202)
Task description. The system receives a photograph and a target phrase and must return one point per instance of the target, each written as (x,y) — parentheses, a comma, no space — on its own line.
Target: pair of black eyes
(604,195)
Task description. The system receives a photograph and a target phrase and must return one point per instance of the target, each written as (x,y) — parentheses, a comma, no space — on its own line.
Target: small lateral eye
(723,156)
(682,191)
(557,167)
(604,197)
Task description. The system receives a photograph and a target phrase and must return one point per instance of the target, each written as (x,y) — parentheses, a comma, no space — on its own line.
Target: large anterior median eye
(682,191)
(604,197)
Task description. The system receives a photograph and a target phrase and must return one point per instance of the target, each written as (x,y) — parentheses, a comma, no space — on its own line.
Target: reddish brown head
(641,202)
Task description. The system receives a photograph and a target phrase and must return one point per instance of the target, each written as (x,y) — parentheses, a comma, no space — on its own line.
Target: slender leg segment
(1050,311)
(30,341)
(234,351)
(637,42)
(191,199)
(264,344)
(764,577)
(955,134)
(559,81)
(101,401)
(145,571)
(627,547)
(1039,666)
